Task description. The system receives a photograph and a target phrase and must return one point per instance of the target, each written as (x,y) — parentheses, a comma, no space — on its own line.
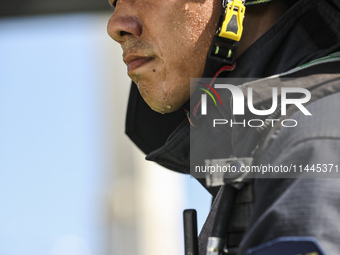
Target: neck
(257,21)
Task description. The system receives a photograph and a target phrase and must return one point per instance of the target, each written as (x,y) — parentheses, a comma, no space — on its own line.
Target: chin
(163,98)
(163,109)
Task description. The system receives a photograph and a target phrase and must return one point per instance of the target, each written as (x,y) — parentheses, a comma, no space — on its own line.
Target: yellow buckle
(232,26)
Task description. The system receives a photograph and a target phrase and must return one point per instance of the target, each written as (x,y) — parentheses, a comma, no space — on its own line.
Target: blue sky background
(50,163)
(52,175)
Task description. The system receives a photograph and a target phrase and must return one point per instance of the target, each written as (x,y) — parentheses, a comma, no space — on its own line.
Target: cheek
(196,21)
(201,21)
(190,41)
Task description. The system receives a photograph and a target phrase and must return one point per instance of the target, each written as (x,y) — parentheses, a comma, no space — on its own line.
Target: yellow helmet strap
(229,32)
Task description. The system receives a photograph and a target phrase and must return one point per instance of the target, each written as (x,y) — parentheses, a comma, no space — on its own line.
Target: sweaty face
(164,44)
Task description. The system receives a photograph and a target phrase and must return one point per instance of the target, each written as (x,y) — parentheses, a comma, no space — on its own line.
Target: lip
(135,62)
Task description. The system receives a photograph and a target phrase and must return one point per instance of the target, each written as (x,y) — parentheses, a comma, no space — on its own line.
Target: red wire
(222,69)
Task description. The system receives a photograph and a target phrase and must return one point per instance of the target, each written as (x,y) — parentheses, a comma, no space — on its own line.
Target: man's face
(165,43)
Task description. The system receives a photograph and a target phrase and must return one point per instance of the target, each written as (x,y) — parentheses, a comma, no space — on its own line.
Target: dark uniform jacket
(272,216)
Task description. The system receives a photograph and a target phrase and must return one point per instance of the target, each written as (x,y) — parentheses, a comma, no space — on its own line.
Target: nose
(121,25)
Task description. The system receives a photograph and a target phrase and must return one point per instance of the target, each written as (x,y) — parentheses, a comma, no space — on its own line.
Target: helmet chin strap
(229,31)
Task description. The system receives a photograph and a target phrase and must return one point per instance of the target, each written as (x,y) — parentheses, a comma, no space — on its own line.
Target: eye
(113,3)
